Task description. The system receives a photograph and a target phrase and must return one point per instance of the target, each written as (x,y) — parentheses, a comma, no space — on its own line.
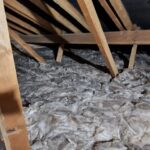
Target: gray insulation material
(78,106)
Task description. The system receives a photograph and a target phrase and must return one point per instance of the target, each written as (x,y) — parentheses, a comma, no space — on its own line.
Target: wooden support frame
(22,23)
(141,37)
(89,12)
(25,46)
(122,13)
(11,116)
(17,28)
(124,17)
(70,9)
(30,15)
(57,16)
(111,14)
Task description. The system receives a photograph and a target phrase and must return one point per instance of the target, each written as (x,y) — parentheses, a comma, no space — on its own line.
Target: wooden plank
(22,23)
(13,26)
(10,101)
(132,56)
(30,15)
(60,53)
(133,52)
(141,37)
(70,9)
(89,12)
(25,46)
(122,13)
(111,14)
(56,15)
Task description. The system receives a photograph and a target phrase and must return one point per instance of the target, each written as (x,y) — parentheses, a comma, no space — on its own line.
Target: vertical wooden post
(10,102)
(89,12)
(60,53)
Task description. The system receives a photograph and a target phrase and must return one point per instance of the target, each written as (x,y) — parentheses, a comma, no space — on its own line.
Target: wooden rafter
(22,23)
(11,116)
(30,15)
(15,27)
(53,13)
(111,14)
(25,46)
(89,12)
(70,9)
(122,13)
(124,17)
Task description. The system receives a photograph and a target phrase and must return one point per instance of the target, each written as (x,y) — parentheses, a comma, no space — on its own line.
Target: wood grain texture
(15,27)
(55,14)
(122,13)
(10,101)
(30,15)
(60,53)
(111,14)
(25,46)
(89,12)
(70,9)
(141,37)
(22,23)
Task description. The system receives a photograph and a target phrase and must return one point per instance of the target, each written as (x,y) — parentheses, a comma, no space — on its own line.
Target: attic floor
(75,105)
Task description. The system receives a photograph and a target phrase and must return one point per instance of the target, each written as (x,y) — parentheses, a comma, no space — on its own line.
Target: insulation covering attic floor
(77,106)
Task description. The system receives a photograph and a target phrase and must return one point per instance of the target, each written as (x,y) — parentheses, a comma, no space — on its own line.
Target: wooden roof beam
(56,15)
(11,112)
(30,15)
(22,23)
(17,28)
(14,36)
(90,15)
(70,9)
(111,14)
(124,17)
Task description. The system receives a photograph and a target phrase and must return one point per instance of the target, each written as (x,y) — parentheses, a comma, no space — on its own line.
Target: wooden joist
(111,14)
(89,12)
(22,23)
(141,37)
(70,9)
(12,126)
(30,15)
(14,36)
(55,14)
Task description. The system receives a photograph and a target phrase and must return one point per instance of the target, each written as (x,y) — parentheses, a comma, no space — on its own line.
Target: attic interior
(74,75)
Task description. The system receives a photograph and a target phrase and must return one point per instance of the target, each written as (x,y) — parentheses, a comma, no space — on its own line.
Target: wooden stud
(89,12)
(111,14)
(133,52)
(132,56)
(30,15)
(53,13)
(11,117)
(60,53)
(22,23)
(70,9)
(25,46)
